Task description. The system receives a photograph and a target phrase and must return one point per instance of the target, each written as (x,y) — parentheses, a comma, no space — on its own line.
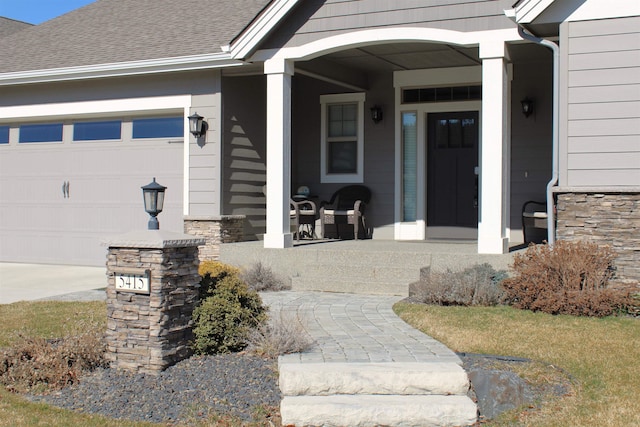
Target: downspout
(551,221)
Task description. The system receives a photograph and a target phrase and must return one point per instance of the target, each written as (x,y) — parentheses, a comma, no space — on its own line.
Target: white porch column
(279,74)
(493,225)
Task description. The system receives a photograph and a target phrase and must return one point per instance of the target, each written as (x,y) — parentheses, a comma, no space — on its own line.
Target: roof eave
(261,26)
(118,69)
(526,11)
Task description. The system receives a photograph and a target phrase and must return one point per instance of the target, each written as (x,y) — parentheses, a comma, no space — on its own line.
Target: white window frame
(342,98)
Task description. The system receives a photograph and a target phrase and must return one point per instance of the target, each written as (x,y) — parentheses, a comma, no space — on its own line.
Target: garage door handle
(65,189)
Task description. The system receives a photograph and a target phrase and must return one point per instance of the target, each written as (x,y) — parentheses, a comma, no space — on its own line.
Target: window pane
(166,127)
(455,133)
(93,131)
(51,132)
(410,96)
(4,134)
(442,134)
(343,120)
(409,166)
(343,157)
(469,133)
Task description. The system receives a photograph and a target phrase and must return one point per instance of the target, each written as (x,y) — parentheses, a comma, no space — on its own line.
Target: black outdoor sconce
(196,125)
(527,106)
(376,114)
(153,194)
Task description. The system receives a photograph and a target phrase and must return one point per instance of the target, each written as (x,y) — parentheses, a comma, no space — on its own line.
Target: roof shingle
(112,31)
(11,26)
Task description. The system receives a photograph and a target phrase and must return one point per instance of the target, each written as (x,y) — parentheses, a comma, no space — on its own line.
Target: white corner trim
(259,29)
(386,35)
(161,65)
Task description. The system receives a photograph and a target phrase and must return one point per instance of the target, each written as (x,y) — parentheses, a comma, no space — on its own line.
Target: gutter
(147,66)
(551,220)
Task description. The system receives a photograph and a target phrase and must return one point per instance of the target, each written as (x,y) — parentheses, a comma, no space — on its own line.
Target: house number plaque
(133,281)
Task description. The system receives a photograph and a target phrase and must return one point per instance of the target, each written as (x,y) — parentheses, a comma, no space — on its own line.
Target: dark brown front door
(452,180)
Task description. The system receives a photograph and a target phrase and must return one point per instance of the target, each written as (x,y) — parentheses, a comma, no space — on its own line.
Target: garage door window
(49,132)
(162,127)
(97,131)
(4,134)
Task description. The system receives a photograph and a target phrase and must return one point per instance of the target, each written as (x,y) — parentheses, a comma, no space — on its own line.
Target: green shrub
(226,316)
(261,278)
(570,278)
(211,272)
(477,285)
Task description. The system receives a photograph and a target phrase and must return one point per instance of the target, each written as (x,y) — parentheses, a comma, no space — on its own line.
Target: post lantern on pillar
(153,194)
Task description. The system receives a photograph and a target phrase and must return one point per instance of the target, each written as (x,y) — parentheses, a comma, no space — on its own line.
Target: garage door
(59,200)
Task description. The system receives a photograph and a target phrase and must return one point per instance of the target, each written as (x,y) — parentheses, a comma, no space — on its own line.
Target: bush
(225,317)
(37,364)
(570,278)
(211,272)
(283,334)
(477,285)
(261,278)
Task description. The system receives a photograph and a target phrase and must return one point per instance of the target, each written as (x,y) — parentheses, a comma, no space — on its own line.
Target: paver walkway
(355,328)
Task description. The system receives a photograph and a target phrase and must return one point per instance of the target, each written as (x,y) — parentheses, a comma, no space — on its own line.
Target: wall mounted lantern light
(376,114)
(527,106)
(153,195)
(196,125)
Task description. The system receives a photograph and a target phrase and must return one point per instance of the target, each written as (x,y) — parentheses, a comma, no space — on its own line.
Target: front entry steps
(376,394)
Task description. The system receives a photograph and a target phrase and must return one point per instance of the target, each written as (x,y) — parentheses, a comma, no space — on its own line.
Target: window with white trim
(342,138)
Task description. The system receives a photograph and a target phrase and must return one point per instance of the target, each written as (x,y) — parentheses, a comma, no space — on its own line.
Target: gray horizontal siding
(339,17)
(603,110)
(599,144)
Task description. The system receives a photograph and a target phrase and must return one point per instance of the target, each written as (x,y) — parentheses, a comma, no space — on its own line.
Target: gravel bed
(226,384)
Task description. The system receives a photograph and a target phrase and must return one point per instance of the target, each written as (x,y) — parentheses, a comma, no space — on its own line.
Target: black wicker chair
(343,217)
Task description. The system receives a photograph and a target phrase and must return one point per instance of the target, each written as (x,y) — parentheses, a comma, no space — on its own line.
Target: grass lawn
(48,319)
(52,319)
(602,356)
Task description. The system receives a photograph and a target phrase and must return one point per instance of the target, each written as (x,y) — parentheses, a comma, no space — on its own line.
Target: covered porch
(276,135)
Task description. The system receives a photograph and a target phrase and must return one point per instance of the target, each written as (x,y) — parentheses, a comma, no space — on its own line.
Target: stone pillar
(215,230)
(149,327)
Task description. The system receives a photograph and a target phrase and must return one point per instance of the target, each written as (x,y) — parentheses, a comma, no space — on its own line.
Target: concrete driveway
(23,282)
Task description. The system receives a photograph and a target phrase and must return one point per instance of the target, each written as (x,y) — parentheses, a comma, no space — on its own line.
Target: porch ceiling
(405,56)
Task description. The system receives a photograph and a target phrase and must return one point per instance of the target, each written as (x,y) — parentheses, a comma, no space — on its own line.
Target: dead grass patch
(600,354)
(284,333)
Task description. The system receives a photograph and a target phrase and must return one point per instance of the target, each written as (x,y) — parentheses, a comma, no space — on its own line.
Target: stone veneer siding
(148,333)
(605,217)
(215,231)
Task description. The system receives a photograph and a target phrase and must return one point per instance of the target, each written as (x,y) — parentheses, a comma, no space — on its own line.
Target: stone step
(391,378)
(352,286)
(380,272)
(378,410)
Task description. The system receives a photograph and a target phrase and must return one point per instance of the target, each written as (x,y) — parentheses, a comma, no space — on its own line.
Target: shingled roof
(11,26)
(115,31)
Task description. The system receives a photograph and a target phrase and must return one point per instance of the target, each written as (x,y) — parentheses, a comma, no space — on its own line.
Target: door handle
(65,189)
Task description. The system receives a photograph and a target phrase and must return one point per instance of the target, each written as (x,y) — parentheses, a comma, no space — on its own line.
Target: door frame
(417,230)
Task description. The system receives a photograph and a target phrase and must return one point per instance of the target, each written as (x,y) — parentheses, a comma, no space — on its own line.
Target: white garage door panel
(39,224)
